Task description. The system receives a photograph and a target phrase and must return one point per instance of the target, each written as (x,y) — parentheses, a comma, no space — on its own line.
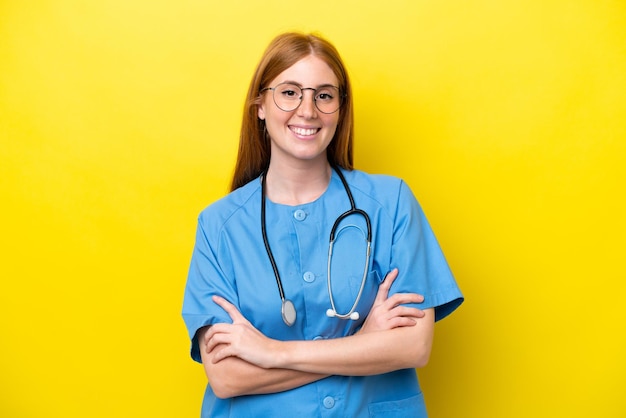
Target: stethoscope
(288,310)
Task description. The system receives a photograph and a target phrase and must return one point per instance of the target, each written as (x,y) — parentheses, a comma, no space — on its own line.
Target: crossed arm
(240,360)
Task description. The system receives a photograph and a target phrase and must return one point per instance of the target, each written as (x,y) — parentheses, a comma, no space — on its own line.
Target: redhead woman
(314,287)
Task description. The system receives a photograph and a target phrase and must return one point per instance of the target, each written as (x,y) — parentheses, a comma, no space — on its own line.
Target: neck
(296,185)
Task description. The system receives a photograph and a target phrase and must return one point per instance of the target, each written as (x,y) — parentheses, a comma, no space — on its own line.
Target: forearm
(366,353)
(236,377)
(361,354)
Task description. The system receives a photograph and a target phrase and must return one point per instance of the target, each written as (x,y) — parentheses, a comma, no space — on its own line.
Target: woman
(271,312)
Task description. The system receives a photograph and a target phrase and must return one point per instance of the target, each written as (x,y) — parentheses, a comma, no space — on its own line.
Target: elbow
(422,360)
(219,391)
(230,378)
(416,358)
(221,378)
(222,385)
(421,355)
(421,349)
(222,391)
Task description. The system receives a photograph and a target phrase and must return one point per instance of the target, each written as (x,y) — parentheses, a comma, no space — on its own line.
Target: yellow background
(119,123)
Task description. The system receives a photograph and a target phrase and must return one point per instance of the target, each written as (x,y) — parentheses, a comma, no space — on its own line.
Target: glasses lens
(288,97)
(327,99)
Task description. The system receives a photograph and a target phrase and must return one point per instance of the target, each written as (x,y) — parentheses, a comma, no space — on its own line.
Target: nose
(307,107)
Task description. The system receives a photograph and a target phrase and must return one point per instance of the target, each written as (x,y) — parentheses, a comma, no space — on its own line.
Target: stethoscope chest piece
(288,311)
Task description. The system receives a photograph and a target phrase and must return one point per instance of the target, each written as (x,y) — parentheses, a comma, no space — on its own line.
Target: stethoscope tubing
(270,255)
(288,311)
(351,313)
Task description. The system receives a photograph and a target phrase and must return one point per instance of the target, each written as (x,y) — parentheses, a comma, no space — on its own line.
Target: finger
(220,353)
(405,311)
(383,289)
(230,309)
(207,335)
(217,336)
(404,298)
(390,277)
(402,322)
(213,343)
(215,329)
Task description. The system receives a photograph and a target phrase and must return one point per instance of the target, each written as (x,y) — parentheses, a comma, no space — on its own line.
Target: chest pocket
(412,407)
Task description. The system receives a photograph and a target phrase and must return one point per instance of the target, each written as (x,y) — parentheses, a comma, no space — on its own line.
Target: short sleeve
(421,263)
(206,278)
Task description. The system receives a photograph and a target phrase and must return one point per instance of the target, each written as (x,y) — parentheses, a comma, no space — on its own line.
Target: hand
(239,339)
(388,312)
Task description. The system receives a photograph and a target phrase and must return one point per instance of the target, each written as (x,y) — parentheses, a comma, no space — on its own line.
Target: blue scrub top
(229,259)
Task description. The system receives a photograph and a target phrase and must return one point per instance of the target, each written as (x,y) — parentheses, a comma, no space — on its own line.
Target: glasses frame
(341,96)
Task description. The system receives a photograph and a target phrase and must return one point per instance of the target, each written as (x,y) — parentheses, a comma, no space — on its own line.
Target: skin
(299,171)
(238,359)
(291,141)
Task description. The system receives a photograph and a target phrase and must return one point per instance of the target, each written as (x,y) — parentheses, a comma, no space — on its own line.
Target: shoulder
(220,212)
(380,187)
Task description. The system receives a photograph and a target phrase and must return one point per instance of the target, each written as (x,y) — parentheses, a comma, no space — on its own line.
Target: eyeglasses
(288,97)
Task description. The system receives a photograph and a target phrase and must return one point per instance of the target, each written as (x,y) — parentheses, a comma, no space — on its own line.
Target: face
(301,135)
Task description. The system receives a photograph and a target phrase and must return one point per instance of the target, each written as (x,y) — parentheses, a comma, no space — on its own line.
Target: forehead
(310,71)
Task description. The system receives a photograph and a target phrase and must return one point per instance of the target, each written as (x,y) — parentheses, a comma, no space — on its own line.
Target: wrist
(282,354)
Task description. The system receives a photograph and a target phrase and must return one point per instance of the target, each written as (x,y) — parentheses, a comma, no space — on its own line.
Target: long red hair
(285,50)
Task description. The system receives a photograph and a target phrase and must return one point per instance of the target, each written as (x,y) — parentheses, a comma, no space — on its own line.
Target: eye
(289,91)
(325,95)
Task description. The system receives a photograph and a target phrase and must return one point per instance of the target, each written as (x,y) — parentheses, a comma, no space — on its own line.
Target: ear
(261,111)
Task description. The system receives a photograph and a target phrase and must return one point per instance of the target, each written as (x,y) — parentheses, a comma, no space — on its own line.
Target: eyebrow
(319,86)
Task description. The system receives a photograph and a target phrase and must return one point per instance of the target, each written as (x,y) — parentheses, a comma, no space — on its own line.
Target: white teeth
(303,131)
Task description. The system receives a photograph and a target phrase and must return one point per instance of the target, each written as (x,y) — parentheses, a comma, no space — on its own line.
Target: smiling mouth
(304,131)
